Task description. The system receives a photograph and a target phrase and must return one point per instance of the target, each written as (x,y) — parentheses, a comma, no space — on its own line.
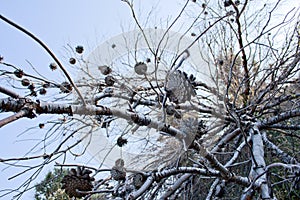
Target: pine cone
(138,180)
(180,88)
(140,68)
(118,171)
(77,180)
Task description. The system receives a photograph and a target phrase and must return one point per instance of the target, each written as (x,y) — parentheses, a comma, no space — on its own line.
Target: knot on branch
(104,111)
(140,119)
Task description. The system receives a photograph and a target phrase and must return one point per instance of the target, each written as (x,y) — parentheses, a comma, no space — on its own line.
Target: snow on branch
(259,164)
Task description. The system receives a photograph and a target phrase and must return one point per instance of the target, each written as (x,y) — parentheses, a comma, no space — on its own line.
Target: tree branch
(48,51)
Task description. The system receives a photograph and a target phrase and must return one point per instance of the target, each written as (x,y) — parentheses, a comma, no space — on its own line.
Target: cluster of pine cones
(77,180)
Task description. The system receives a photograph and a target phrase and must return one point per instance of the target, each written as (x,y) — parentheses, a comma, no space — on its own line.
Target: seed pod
(118,171)
(53,66)
(138,180)
(118,174)
(227,3)
(65,87)
(46,85)
(109,80)
(79,49)
(121,141)
(31,87)
(19,73)
(77,180)
(33,93)
(25,82)
(105,70)
(41,125)
(170,110)
(140,68)
(43,91)
(72,61)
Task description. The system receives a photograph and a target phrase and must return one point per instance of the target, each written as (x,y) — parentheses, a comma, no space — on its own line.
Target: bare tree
(208,112)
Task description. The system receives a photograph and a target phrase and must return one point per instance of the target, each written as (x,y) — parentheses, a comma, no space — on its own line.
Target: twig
(48,51)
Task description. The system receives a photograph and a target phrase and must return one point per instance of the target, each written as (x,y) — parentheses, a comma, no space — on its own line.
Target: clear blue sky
(57,23)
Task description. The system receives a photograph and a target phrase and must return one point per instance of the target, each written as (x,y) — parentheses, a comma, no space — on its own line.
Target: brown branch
(14,117)
(244,57)
(9,93)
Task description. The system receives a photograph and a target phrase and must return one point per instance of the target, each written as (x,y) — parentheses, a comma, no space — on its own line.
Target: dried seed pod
(46,85)
(41,125)
(227,3)
(140,68)
(119,162)
(109,80)
(179,88)
(65,87)
(43,91)
(118,171)
(72,61)
(53,66)
(121,141)
(77,180)
(138,180)
(118,174)
(113,46)
(170,110)
(33,93)
(25,82)
(31,87)
(193,34)
(105,70)
(79,49)
(19,73)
